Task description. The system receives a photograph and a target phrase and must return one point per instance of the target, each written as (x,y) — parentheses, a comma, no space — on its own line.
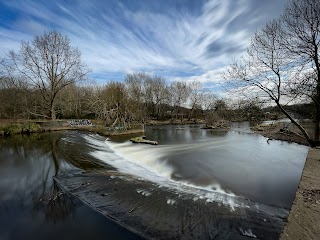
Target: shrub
(12,129)
(30,127)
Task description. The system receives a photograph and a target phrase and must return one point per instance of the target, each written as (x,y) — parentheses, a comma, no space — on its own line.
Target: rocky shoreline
(276,132)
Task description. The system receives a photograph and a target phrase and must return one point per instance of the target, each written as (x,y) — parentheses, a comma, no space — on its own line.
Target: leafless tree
(208,101)
(179,92)
(49,63)
(159,92)
(301,38)
(136,89)
(148,93)
(266,69)
(196,97)
(15,96)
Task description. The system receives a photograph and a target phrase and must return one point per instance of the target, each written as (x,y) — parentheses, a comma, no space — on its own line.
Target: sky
(185,40)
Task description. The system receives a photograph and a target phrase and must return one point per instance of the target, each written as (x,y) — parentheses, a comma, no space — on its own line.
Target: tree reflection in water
(57,206)
(31,206)
(29,171)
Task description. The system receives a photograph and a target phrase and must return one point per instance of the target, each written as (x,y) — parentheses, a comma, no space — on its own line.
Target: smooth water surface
(30,207)
(236,164)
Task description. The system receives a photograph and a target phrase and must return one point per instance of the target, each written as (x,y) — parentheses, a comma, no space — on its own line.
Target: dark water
(27,211)
(235,164)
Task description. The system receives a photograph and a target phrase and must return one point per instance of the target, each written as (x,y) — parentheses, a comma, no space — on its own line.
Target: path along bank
(304,217)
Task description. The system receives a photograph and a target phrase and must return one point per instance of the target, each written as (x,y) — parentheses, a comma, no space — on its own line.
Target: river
(230,167)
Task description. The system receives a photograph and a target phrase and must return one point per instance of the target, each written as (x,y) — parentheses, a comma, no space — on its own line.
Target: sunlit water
(229,167)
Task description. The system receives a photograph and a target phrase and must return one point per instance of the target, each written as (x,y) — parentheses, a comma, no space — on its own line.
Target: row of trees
(43,79)
(138,97)
(282,63)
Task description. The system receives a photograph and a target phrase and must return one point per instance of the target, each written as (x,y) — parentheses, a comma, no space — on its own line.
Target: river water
(238,165)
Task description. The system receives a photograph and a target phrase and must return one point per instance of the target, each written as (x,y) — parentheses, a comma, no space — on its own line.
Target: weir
(155,212)
(138,187)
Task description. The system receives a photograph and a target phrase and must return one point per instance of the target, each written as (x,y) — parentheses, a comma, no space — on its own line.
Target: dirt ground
(304,218)
(285,132)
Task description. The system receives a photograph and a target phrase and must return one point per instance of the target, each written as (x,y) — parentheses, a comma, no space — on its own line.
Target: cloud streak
(176,39)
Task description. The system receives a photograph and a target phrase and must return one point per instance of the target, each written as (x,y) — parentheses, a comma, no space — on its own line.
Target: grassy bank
(8,128)
(19,128)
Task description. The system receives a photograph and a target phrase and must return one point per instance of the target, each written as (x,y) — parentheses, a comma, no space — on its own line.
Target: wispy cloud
(179,40)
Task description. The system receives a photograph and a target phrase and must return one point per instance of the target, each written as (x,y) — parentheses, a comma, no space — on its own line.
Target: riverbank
(8,127)
(283,132)
(152,122)
(304,217)
(271,131)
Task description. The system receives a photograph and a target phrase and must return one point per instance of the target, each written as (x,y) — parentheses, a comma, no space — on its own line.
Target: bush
(12,129)
(30,127)
(17,128)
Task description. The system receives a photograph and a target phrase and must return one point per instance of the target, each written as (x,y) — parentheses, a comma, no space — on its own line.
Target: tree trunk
(317,103)
(52,112)
(316,124)
(312,143)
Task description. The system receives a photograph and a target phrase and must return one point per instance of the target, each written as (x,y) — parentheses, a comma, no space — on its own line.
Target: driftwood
(143,140)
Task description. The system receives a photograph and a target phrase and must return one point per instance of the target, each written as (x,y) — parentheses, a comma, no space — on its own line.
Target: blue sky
(183,40)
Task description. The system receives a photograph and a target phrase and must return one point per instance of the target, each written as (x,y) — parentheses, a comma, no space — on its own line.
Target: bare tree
(266,69)
(136,89)
(196,97)
(148,93)
(15,96)
(179,92)
(49,63)
(208,101)
(301,38)
(158,94)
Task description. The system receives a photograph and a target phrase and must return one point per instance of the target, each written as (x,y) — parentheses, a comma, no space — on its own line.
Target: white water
(150,163)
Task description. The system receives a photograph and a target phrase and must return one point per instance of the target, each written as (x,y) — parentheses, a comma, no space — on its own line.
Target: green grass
(30,127)
(18,128)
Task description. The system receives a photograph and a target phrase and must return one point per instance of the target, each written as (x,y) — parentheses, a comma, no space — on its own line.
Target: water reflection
(27,166)
(56,205)
(236,161)
(31,207)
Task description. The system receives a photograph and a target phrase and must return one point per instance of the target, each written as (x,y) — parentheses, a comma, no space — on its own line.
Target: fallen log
(143,140)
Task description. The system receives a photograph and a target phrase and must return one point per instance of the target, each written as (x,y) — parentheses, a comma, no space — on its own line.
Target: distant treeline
(139,98)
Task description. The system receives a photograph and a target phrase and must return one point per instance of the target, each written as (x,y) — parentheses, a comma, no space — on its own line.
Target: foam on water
(144,192)
(247,233)
(171,201)
(150,163)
